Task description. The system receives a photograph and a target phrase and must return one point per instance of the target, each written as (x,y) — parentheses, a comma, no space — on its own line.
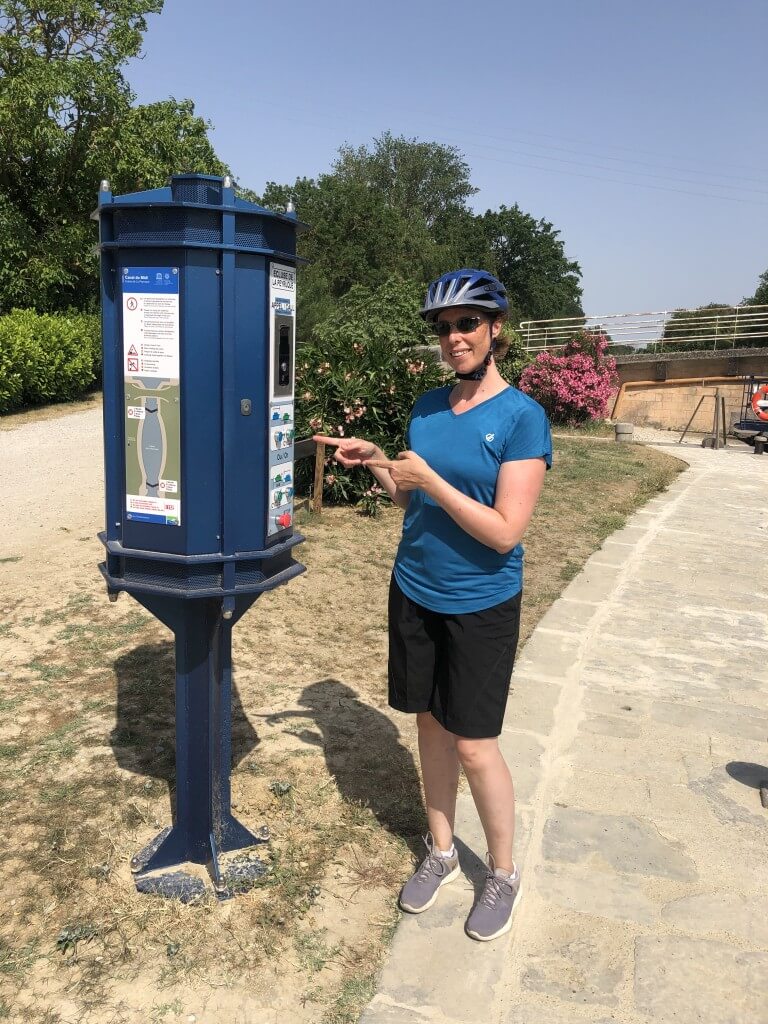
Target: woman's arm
(400,498)
(500,527)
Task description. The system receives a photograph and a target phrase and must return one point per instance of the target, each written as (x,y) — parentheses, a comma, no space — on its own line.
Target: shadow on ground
(361,746)
(752,775)
(364,753)
(144,735)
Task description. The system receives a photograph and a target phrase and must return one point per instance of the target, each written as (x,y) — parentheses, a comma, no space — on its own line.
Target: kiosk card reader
(198,291)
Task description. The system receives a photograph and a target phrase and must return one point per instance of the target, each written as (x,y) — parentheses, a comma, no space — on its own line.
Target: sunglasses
(464,325)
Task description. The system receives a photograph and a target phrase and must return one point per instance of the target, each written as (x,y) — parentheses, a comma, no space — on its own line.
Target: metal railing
(708,328)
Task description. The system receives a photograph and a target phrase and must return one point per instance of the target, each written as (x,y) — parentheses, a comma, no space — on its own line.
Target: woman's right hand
(350,451)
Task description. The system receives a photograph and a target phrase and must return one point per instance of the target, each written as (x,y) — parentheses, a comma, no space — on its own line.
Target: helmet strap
(481,371)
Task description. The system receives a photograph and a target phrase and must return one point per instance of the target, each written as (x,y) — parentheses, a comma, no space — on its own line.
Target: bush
(511,366)
(47,358)
(575,386)
(356,377)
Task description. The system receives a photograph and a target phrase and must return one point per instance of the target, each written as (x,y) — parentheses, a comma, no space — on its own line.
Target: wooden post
(317,489)
(722,419)
(690,421)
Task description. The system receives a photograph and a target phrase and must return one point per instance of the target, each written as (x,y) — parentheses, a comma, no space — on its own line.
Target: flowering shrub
(576,385)
(357,378)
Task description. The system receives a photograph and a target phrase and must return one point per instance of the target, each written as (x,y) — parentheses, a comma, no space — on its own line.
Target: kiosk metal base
(204,828)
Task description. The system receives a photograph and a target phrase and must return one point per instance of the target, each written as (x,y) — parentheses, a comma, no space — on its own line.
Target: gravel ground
(51,473)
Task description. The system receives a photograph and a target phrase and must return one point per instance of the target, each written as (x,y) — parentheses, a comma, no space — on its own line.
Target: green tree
(425,181)
(66,122)
(760,298)
(705,328)
(396,208)
(529,257)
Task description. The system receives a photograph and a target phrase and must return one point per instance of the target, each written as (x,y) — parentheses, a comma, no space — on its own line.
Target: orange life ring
(761,393)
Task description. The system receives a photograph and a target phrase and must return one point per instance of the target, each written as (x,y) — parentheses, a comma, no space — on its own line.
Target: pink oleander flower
(575,385)
(315,423)
(330,479)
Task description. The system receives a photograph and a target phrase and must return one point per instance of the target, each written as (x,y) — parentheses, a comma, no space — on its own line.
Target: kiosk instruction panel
(150,317)
(282,333)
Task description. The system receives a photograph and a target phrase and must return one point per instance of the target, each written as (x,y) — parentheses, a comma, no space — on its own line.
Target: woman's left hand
(409,471)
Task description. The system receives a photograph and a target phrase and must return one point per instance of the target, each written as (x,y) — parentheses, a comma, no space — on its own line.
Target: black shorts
(457,667)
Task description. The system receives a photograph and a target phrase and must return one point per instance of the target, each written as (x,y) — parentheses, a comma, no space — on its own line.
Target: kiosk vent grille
(186,191)
(171,226)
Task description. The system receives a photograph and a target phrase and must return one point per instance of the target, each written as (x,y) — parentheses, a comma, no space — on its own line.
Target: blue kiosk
(198,293)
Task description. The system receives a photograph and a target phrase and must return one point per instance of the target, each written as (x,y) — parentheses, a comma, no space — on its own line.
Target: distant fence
(713,328)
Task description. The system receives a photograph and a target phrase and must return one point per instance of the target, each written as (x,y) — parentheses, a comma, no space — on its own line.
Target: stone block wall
(670,405)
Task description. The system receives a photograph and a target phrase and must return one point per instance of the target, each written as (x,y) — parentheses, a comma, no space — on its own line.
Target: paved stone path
(637,734)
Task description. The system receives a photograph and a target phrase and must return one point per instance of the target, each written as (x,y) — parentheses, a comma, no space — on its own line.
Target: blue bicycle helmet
(465,287)
(476,288)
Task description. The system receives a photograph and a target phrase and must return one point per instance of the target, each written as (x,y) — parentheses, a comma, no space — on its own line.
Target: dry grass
(37,414)
(86,746)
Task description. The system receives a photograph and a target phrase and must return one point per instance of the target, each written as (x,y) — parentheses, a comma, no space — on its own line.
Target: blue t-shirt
(438,564)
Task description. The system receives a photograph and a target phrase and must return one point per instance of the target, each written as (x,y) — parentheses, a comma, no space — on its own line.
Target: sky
(638,129)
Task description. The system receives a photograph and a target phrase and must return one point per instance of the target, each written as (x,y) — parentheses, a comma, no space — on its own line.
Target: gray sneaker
(492,914)
(421,889)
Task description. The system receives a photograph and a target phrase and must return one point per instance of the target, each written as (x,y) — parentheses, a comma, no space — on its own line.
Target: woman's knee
(475,754)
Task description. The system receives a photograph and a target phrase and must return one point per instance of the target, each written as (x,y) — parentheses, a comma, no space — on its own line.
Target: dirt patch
(88,768)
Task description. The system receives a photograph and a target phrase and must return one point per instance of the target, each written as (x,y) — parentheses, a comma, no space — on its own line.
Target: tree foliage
(66,122)
(397,207)
(709,328)
(529,257)
(359,376)
(760,298)
(401,207)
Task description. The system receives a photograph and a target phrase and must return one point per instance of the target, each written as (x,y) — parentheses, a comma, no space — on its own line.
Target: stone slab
(598,893)
(585,970)
(606,754)
(680,980)
(531,704)
(594,583)
(522,752)
(611,725)
(464,984)
(607,793)
(745,917)
(731,802)
(545,657)
(529,1013)
(568,616)
(748,722)
(621,842)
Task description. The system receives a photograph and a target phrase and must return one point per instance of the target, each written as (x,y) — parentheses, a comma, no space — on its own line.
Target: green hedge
(47,357)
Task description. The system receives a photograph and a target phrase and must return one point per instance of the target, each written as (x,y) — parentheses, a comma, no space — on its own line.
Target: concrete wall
(670,405)
(663,390)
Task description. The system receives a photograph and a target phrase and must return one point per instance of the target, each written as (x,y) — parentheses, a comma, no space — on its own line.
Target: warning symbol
(132,303)
(132,351)
(133,365)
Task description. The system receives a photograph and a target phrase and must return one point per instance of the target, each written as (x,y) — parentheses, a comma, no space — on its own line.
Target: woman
(477,455)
